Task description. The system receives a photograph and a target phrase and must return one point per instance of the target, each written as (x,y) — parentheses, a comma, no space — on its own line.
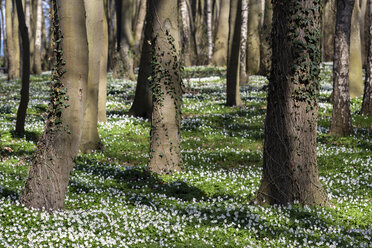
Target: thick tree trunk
(165,154)
(123,67)
(367,97)
(222,36)
(243,44)
(253,42)
(37,49)
(53,160)
(290,170)
(341,116)
(265,45)
(90,140)
(329,24)
(12,42)
(142,104)
(355,65)
(25,56)
(233,56)
(102,88)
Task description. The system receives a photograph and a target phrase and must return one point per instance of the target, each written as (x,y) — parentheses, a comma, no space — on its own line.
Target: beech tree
(290,170)
(12,41)
(219,57)
(52,161)
(253,42)
(341,116)
(165,154)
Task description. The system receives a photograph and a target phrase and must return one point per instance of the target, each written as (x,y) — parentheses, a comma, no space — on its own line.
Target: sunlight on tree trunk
(222,35)
(12,41)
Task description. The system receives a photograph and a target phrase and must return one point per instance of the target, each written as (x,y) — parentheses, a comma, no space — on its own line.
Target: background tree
(53,159)
(233,55)
(12,42)
(290,170)
(219,57)
(38,31)
(265,40)
(165,154)
(328,29)
(243,44)
(25,75)
(186,32)
(367,97)
(253,42)
(341,116)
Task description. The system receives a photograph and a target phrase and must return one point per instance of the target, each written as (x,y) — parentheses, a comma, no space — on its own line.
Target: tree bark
(208,8)
(25,56)
(138,27)
(186,32)
(90,140)
(290,170)
(341,116)
(243,44)
(37,49)
(233,56)
(355,64)
(142,104)
(253,42)
(112,29)
(123,67)
(52,162)
(265,45)
(367,97)
(165,154)
(12,42)
(222,36)
(329,24)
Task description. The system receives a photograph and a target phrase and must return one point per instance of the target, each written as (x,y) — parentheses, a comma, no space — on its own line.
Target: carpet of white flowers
(113,201)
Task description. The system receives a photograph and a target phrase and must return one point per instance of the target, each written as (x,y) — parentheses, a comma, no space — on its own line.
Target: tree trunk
(233,56)
(123,67)
(208,8)
(138,27)
(265,45)
(367,97)
(37,49)
(12,42)
(25,56)
(243,44)
(53,159)
(355,65)
(102,88)
(253,47)
(341,116)
(329,24)
(142,104)
(90,140)
(112,29)
(186,32)
(165,154)
(222,36)
(290,170)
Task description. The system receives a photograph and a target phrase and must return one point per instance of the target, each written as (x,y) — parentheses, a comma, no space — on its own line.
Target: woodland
(188,123)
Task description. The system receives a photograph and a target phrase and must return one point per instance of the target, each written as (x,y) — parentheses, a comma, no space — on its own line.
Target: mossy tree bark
(253,39)
(90,140)
(142,104)
(233,55)
(52,162)
(329,24)
(355,64)
(219,57)
(25,75)
(367,97)
(290,170)
(265,38)
(12,42)
(165,154)
(341,116)
(123,67)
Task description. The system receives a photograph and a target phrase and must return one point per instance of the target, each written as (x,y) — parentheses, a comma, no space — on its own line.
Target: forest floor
(112,201)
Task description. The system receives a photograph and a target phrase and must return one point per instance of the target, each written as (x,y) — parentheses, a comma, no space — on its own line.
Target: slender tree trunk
(253,47)
(90,140)
(243,44)
(233,56)
(290,170)
(355,65)
(37,48)
(265,45)
(165,154)
(112,29)
(25,56)
(329,24)
(220,46)
(124,58)
(142,104)
(138,28)
(12,42)
(44,44)
(102,88)
(186,32)
(341,116)
(208,8)
(367,97)
(52,162)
